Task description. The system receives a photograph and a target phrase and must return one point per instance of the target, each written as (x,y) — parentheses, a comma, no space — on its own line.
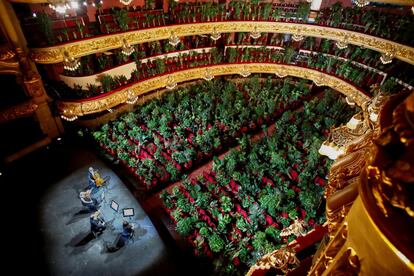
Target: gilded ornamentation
(336,217)
(283,259)
(378,202)
(29,1)
(8,62)
(396,2)
(34,86)
(6,54)
(391,176)
(334,245)
(17,111)
(349,165)
(110,100)
(103,43)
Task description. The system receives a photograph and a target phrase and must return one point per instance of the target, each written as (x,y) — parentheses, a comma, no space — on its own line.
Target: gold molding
(112,99)
(102,43)
(21,110)
(9,64)
(395,2)
(30,1)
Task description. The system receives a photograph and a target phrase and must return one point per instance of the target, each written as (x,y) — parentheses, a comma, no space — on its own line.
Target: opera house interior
(195,137)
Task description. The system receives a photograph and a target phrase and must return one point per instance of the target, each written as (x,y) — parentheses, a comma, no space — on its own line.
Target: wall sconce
(132,98)
(215,35)
(127,49)
(69,116)
(319,81)
(208,76)
(125,2)
(281,75)
(361,3)
(173,40)
(255,34)
(171,84)
(70,63)
(386,58)
(244,72)
(297,37)
(342,44)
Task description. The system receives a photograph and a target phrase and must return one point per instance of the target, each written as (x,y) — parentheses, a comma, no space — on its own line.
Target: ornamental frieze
(114,98)
(21,110)
(55,54)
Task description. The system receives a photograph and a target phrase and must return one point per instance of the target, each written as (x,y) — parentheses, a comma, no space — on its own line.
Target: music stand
(114,206)
(128,213)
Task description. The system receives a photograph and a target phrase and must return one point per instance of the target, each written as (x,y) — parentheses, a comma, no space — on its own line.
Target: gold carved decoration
(18,111)
(283,259)
(391,176)
(103,43)
(30,1)
(396,2)
(112,99)
(34,85)
(325,259)
(8,62)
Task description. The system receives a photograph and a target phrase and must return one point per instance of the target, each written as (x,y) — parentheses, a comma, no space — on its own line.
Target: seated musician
(97,223)
(94,179)
(87,200)
(122,239)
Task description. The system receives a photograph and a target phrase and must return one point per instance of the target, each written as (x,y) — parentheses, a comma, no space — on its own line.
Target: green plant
(273,232)
(103,61)
(226,204)
(303,11)
(271,201)
(92,88)
(172,170)
(121,18)
(107,82)
(80,27)
(216,243)
(261,244)
(45,24)
(185,226)
(160,65)
(390,86)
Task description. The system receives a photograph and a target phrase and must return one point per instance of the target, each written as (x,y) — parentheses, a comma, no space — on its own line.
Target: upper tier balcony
(390,34)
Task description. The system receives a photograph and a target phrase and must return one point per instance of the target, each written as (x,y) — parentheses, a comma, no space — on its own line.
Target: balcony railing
(124,93)
(354,72)
(98,44)
(395,27)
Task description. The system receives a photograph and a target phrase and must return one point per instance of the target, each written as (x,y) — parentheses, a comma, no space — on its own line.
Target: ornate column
(32,82)
(374,235)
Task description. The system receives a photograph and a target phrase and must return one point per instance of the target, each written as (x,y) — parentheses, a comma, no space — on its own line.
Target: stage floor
(53,231)
(70,247)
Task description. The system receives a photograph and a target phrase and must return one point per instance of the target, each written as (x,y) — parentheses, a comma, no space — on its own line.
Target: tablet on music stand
(114,206)
(128,212)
